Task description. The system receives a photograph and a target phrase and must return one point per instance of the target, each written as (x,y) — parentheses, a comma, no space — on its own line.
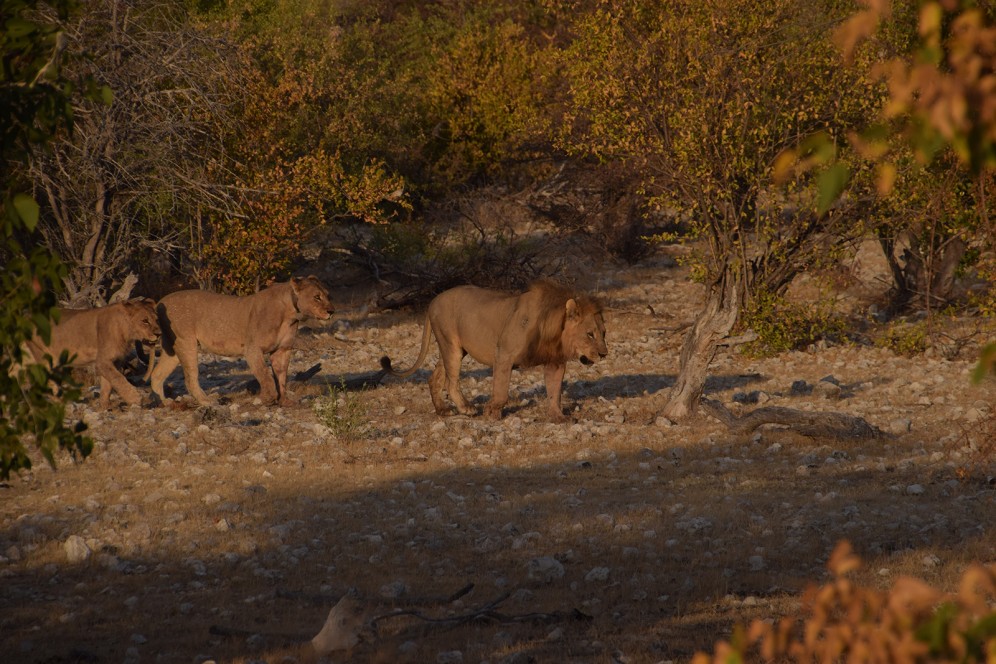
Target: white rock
(76,549)
(915,489)
(545,569)
(597,574)
(393,590)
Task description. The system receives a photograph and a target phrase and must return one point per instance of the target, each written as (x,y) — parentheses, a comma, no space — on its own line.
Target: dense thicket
(237,128)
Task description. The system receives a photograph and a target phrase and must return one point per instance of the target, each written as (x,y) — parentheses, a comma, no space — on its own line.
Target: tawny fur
(545,326)
(252,326)
(102,337)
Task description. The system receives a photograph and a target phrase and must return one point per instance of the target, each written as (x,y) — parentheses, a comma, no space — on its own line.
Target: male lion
(102,337)
(545,326)
(251,326)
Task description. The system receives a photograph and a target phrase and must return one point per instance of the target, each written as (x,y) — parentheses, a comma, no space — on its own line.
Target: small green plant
(342,412)
(907,339)
(783,326)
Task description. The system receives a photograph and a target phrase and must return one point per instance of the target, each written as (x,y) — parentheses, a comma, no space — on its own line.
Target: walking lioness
(250,326)
(102,337)
(545,326)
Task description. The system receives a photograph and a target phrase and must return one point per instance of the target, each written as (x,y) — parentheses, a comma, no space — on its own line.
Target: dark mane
(545,346)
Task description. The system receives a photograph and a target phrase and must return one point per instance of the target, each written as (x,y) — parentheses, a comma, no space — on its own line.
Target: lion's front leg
(263,373)
(280,361)
(111,378)
(499,392)
(553,375)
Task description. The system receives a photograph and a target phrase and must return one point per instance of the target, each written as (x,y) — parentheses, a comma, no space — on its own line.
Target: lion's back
(76,333)
(204,315)
(474,317)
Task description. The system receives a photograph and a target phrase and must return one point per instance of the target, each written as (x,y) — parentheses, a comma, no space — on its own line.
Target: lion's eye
(591,335)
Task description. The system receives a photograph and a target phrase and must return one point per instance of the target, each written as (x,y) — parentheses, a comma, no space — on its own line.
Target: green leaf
(43,325)
(106,95)
(987,359)
(831,183)
(19,27)
(27,210)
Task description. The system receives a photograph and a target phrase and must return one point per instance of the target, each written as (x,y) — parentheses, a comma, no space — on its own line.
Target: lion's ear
(572,309)
(132,307)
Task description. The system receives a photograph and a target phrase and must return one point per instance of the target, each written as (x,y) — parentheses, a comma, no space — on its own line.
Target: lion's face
(144,321)
(584,334)
(312,298)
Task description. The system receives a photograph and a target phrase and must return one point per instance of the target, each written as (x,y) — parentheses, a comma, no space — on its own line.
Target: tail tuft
(385,364)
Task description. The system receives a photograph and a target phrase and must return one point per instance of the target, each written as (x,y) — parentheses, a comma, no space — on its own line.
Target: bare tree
(141,166)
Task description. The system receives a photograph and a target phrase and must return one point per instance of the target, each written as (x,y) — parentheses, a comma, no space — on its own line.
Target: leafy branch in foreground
(909,622)
(35,99)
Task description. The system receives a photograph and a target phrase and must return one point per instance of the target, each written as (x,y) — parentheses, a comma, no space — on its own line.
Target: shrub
(342,412)
(906,339)
(910,622)
(783,326)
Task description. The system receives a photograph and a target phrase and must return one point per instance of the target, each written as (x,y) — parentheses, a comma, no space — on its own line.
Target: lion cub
(251,326)
(545,326)
(102,337)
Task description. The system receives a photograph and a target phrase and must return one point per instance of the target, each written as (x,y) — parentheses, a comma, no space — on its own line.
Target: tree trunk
(711,326)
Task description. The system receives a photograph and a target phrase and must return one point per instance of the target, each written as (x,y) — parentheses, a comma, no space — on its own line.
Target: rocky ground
(228,533)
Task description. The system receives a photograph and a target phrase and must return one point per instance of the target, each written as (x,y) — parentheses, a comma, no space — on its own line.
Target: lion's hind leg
(436,382)
(448,371)
(186,353)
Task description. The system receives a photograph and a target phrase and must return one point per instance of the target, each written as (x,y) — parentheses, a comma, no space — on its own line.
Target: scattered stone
(597,574)
(76,549)
(826,389)
(393,590)
(915,489)
(545,569)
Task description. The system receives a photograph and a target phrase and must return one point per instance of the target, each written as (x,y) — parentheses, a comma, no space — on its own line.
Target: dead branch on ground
(815,425)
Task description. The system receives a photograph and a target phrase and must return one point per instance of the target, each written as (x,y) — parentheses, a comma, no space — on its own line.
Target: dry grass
(256,520)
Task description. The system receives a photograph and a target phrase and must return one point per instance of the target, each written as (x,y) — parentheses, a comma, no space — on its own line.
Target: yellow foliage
(911,622)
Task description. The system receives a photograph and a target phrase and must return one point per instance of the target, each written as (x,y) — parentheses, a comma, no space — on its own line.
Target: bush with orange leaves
(910,622)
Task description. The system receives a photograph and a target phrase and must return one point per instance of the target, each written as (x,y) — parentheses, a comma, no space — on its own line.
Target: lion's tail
(385,362)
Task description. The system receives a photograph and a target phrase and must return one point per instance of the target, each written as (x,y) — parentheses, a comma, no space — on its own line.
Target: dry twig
(816,425)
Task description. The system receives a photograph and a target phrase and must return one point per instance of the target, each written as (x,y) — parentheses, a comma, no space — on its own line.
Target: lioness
(545,326)
(102,337)
(250,326)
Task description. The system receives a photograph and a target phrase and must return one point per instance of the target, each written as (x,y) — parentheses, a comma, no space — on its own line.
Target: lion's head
(584,330)
(311,297)
(143,323)
(570,327)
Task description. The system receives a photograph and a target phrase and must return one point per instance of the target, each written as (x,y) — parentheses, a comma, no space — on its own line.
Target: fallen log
(813,424)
